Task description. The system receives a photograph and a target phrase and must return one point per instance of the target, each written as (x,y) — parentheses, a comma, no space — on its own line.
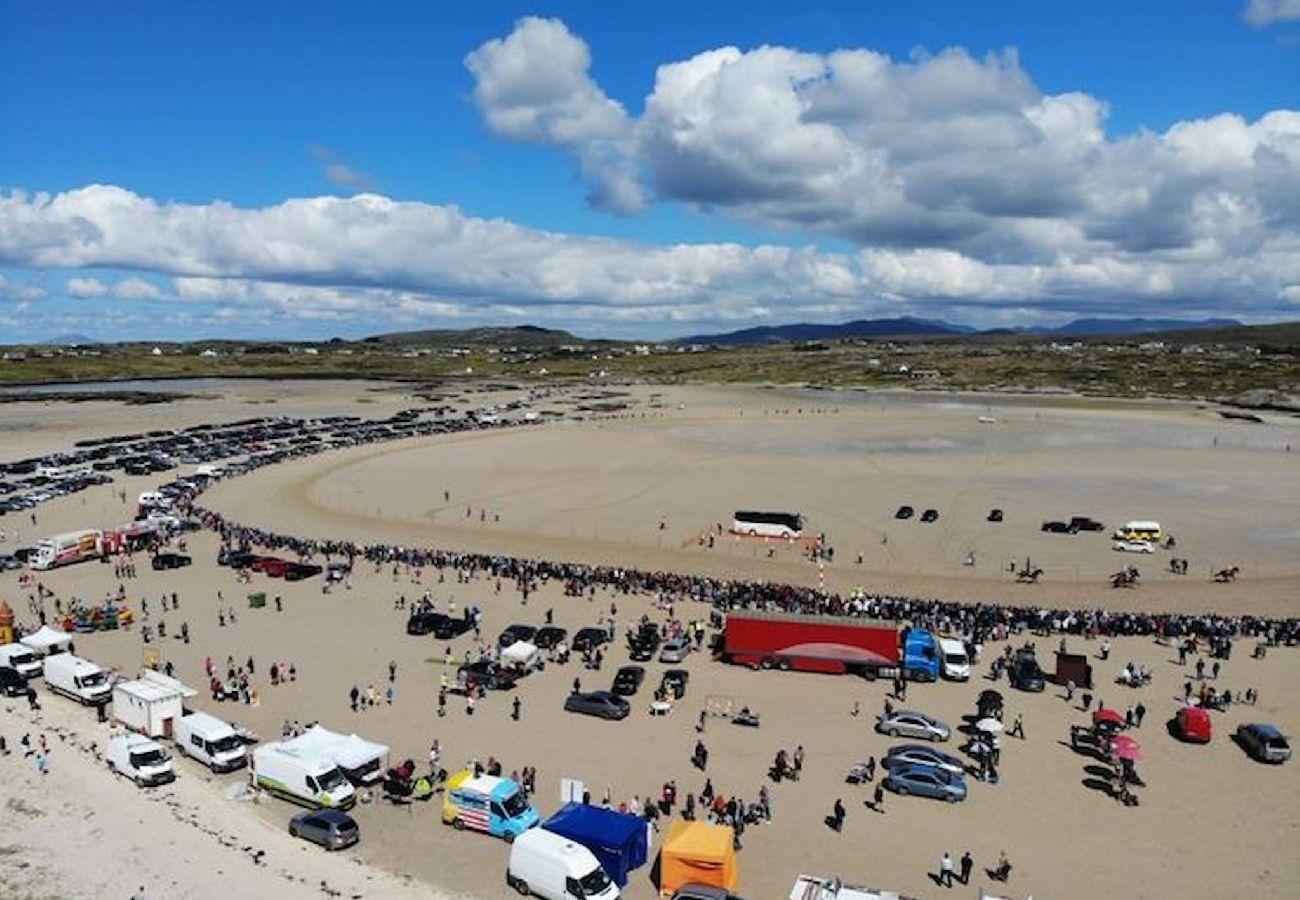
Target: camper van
(487,803)
(20,657)
(210,741)
(1139,531)
(77,678)
(956,664)
(546,865)
(141,759)
(301,778)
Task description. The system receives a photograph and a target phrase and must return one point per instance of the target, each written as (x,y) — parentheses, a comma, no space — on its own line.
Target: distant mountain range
(908,326)
(517,336)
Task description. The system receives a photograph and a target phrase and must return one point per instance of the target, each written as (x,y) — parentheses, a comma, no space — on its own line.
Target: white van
(300,778)
(141,759)
(77,678)
(211,741)
(154,498)
(546,865)
(956,664)
(21,658)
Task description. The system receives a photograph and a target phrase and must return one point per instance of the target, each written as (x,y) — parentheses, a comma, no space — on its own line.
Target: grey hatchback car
(913,724)
(1264,742)
(330,828)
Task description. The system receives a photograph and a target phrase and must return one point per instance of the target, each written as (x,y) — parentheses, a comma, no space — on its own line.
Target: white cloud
(942,151)
(21,293)
(1268,12)
(83,288)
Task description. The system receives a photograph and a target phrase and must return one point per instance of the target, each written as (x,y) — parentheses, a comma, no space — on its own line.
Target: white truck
(211,741)
(141,759)
(77,678)
(22,659)
(815,887)
(954,661)
(67,548)
(544,864)
(301,778)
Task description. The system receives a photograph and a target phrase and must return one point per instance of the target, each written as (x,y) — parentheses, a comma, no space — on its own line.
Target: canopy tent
(990,725)
(700,853)
(361,760)
(617,840)
(45,638)
(520,654)
(1107,715)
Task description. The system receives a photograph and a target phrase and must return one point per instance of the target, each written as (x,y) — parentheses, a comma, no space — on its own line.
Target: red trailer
(831,644)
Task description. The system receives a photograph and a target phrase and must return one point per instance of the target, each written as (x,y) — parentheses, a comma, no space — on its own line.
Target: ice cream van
(487,803)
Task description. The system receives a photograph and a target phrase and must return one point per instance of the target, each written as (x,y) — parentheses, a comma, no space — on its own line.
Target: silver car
(922,755)
(675,650)
(329,828)
(913,724)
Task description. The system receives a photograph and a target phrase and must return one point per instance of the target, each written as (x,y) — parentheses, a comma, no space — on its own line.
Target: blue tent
(617,840)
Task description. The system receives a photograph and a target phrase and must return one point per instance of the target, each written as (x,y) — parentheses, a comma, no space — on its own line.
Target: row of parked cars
(932,515)
(24,493)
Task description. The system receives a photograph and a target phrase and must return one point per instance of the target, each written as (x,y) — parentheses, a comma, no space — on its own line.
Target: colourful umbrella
(1126,747)
(1107,715)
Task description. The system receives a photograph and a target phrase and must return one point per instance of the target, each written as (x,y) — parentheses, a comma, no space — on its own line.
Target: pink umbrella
(1126,747)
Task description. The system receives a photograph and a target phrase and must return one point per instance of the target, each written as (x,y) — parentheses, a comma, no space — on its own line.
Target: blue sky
(541,185)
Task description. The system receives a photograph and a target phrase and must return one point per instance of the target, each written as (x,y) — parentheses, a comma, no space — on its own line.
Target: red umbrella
(1126,747)
(1107,715)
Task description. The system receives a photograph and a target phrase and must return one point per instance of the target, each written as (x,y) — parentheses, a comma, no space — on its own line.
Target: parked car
(163,561)
(1083,523)
(449,627)
(674,682)
(487,673)
(697,891)
(1264,742)
(675,650)
(995,515)
(9,562)
(926,781)
(295,571)
(904,512)
(330,828)
(930,515)
(1134,546)
(913,724)
(1056,527)
(549,635)
(235,559)
(628,679)
(589,639)
(514,633)
(1025,673)
(424,622)
(602,704)
(922,755)
(1192,724)
(12,683)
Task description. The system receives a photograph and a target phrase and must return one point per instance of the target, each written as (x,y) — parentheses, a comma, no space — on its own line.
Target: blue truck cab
(921,658)
(487,803)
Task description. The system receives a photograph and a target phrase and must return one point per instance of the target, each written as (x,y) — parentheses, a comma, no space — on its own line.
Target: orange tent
(700,853)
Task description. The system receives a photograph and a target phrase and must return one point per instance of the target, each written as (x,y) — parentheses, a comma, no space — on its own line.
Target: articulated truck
(833,644)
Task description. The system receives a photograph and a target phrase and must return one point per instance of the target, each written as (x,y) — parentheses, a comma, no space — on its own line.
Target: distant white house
(209,353)
(156,351)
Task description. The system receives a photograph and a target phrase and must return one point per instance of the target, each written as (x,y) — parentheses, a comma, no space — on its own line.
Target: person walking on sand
(837,815)
(1017,728)
(945,869)
(966,865)
(878,798)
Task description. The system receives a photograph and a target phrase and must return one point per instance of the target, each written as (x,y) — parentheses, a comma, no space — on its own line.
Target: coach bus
(768,524)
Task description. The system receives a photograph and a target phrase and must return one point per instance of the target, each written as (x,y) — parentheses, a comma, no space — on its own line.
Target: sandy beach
(1211,823)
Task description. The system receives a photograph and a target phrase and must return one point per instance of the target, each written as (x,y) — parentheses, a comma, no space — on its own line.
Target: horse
(1223,576)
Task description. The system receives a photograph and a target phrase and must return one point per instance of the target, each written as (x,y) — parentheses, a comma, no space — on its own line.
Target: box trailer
(830,644)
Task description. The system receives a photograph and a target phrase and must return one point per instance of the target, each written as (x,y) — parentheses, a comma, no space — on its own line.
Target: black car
(930,515)
(628,679)
(424,622)
(494,677)
(299,571)
(12,683)
(644,644)
(163,561)
(235,559)
(674,682)
(1056,527)
(449,627)
(1083,523)
(904,512)
(589,639)
(1026,674)
(515,633)
(995,515)
(548,636)
(598,703)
